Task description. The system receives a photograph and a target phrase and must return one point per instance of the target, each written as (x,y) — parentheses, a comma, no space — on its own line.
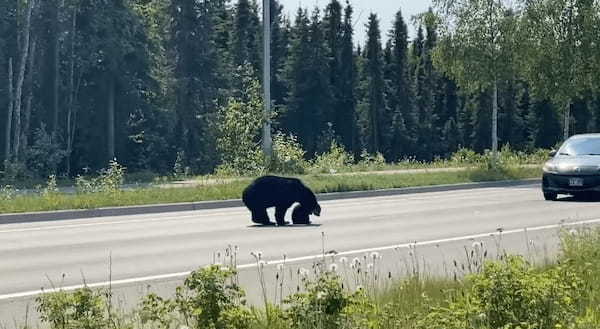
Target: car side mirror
(552,153)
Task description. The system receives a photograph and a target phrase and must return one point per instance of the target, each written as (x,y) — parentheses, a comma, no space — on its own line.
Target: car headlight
(550,168)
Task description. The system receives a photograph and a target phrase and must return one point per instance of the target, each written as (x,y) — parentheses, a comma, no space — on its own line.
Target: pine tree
(425,83)
(197,81)
(333,32)
(479,105)
(308,78)
(245,41)
(377,117)
(547,127)
(280,33)
(345,115)
(400,99)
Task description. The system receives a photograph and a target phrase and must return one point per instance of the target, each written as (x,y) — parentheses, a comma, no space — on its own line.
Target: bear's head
(300,215)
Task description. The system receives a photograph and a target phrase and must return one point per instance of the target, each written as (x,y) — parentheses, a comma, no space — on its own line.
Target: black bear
(279,192)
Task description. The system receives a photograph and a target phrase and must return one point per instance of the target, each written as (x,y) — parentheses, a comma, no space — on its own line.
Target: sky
(385,10)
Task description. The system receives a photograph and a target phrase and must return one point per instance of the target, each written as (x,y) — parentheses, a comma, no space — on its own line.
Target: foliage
(208,299)
(82,309)
(44,156)
(288,155)
(321,306)
(240,124)
(109,180)
(334,160)
(512,294)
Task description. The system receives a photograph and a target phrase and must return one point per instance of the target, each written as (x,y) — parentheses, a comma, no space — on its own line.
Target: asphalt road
(137,251)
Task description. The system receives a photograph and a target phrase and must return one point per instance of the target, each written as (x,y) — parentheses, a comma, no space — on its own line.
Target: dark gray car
(574,169)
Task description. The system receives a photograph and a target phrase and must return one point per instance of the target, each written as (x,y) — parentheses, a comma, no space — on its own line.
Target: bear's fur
(301,215)
(279,192)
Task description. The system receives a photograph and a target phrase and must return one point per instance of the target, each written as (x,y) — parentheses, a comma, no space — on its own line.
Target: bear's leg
(260,216)
(280,215)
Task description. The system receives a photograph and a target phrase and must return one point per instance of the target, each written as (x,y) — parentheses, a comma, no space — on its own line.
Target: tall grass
(504,292)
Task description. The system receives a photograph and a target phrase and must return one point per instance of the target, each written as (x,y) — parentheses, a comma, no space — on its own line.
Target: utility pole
(267,141)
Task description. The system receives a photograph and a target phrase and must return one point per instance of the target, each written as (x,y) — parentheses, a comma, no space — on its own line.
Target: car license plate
(575,181)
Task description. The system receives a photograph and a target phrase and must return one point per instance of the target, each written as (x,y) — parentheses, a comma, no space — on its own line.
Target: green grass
(507,293)
(231,189)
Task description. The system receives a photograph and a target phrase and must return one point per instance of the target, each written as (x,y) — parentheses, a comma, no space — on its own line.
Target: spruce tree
(378,117)
(245,40)
(308,78)
(345,111)
(280,33)
(333,32)
(400,97)
(547,127)
(197,81)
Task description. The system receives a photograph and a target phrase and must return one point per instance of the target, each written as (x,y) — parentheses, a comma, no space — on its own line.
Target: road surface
(157,250)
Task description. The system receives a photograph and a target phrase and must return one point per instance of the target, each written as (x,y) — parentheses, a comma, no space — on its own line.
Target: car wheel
(550,196)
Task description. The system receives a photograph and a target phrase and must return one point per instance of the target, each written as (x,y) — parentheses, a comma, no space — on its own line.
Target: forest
(158,84)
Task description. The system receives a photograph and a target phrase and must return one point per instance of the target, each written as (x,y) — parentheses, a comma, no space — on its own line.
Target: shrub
(109,180)
(288,155)
(512,294)
(82,309)
(7,192)
(321,306)
(44,156)
(208,299)
(371,161)
(333,160)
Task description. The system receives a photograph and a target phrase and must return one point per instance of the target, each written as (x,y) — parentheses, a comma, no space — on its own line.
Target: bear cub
(281,193)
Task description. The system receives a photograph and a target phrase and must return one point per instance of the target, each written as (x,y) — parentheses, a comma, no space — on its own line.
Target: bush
(7,192)
(333,160)
(109,180)
(288,155)
(82,309)
(321,306)
(512,294)
(44,156)
(208,299)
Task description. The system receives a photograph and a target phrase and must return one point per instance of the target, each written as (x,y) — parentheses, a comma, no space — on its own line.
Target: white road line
(301,259)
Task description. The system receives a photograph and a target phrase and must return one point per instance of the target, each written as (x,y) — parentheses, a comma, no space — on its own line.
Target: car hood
(579,164)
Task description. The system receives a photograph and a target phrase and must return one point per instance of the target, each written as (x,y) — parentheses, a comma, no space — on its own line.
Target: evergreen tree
(197,81)
(400,99)
(245,41)
(333,32)
(280,34)
(479,105)
(345,111)
(377,117)
(547,127)
(308,77)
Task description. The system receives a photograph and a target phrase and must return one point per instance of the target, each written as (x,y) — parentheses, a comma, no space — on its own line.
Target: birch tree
(21,77)
(561,59)
(477,47)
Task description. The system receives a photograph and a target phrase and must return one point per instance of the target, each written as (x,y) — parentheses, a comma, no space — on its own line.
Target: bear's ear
(317,210)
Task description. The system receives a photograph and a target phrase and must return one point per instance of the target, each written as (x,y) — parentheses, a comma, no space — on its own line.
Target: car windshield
(581,146)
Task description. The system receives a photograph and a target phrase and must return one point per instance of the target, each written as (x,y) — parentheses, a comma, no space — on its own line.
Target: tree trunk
(7,144)
(56,67)
(71,117)
(495,120)
(567,120)
(27,112)
(111,118)
(21,78)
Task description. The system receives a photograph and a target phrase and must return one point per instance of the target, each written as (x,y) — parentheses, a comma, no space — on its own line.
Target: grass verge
(506,292)
(231,189)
